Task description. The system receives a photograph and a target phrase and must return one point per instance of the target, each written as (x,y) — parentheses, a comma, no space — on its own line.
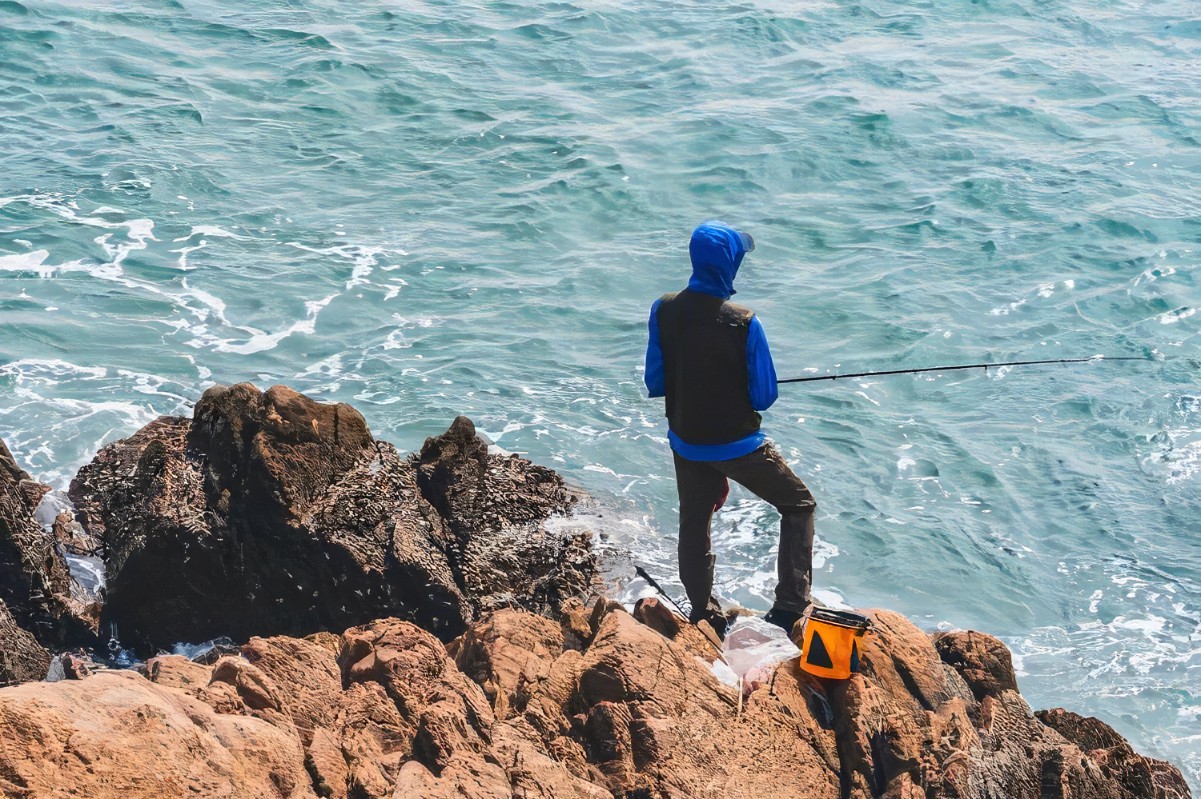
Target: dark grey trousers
(702,486)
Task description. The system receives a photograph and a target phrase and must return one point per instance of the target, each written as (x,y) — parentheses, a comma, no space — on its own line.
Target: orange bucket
(831,642)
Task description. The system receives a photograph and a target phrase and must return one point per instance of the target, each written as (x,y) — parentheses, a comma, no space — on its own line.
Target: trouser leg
(794,568)
(766,475)
(700,486)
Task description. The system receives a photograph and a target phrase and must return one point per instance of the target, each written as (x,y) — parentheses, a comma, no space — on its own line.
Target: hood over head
(717,251)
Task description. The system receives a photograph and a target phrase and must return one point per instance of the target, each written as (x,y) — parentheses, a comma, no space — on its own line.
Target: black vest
(703,339)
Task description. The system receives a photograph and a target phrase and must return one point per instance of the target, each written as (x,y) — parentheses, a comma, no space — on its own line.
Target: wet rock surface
(37,611)
(271,513)
(22,657)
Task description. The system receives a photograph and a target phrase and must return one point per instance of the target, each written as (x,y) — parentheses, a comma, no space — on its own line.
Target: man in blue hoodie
(708,358)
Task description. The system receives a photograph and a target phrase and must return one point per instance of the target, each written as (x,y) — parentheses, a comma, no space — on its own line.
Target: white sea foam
(260,341)
(1172,317)
(364,259)
(212,230)
(138,233)
(35,262)
(1005,310)
(184,252)
(1177,455)
(210,302)
(394,287)
(48,371)
(510,427)
(27,262)
(88,574)
(78,426)
(52,504)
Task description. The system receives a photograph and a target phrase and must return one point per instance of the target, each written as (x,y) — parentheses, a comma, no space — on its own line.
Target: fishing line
(985,366)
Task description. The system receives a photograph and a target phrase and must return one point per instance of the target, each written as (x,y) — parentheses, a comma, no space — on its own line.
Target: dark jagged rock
(1136,776)
(490,510)
(271,513)
(35,583)
(22,658)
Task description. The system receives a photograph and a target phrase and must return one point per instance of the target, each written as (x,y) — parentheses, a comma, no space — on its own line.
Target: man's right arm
(653,376)
(761,371)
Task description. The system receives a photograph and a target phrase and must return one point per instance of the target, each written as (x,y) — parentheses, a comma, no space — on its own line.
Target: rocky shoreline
(415,627)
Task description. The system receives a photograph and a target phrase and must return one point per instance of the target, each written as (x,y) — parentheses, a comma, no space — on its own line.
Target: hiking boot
(783,618)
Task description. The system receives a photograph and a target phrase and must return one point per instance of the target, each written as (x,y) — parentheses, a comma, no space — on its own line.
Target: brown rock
(117,735)
(326,763)
(701,642)
(909,719)
(635,714)
(465,776)
(76,666)
(273,453)
(490,513)
(257,692)
(438,718)
(575,617)
(656,720)
(305,679)
(508,652)
(539,772)
(982,660)
(176,671)
(72,538)
(1136,775)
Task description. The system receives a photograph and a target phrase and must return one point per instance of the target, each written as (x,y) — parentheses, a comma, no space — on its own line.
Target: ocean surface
(436,208)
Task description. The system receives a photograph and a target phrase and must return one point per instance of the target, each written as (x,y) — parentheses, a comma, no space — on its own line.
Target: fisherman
(709,358)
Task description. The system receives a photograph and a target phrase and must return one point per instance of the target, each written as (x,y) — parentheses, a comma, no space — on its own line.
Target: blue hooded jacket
(717,251)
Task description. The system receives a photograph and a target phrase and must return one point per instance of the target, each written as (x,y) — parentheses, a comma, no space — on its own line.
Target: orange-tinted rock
(698,640)
(982,660)
(635,714)
(116,735)
(176,671)
(449,712)
(506,652)
(305,679)
(910,719)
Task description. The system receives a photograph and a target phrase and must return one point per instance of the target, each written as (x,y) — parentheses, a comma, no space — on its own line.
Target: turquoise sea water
(433,208)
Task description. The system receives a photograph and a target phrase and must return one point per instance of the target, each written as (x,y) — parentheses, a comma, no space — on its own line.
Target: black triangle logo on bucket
(818,654)
(854,658)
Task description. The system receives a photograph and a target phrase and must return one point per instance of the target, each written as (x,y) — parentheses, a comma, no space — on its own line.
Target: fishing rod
(653,583)
(984,366)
